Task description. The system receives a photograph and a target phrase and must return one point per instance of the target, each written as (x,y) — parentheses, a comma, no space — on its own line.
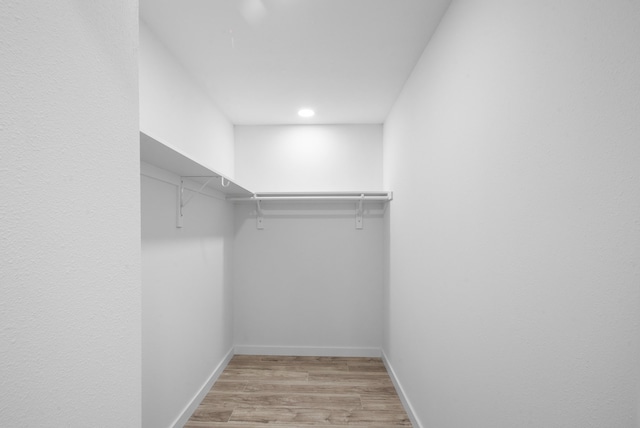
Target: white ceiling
(262,60)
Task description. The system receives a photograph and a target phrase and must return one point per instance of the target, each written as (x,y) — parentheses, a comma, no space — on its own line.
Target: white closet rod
(311,197)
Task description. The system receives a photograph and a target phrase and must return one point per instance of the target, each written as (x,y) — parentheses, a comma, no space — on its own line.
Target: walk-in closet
(363,213)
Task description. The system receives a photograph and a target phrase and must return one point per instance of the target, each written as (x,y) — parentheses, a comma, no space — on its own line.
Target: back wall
(309,282)
(309,157)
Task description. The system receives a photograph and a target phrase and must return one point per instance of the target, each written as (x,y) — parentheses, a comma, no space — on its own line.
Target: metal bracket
(259,216)
(181,199)
(359,213)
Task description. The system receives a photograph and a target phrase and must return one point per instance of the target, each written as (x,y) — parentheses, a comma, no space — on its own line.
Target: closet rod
(336,198)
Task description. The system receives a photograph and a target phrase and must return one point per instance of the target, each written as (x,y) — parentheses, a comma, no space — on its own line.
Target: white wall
(186,295)
(309,157)
(176,111)
(514,296)
(186,273)
(70,234)
(309,283)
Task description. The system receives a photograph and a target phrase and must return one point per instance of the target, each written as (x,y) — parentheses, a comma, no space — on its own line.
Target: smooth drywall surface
(309,157)
(70,234)
(186,295)
(514,156)
(176,111)
(309,280)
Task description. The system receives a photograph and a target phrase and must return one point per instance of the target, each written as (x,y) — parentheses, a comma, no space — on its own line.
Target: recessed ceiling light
(306,112)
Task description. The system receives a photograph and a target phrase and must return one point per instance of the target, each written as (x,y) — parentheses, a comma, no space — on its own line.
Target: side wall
(175,111)
(514,298)
(70,209)
(186,273)
(187,295)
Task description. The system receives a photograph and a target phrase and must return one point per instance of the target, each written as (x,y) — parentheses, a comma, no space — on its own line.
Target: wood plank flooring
(285,392)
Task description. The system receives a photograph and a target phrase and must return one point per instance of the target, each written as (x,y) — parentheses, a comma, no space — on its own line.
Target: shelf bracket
(259,216)
(359,212)
(182,202)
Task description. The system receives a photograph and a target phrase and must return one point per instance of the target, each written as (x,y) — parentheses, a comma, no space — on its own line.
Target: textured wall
(514,156)
(70,233)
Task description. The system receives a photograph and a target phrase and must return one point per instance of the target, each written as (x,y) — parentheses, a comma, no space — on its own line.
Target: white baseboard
(195,401)
(403,397)
(307,351)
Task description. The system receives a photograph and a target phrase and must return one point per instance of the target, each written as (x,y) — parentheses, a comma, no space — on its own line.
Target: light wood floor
(285,392)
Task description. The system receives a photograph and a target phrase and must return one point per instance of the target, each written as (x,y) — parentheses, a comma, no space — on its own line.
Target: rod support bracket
(259,215)
(180,205)
(359,212)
